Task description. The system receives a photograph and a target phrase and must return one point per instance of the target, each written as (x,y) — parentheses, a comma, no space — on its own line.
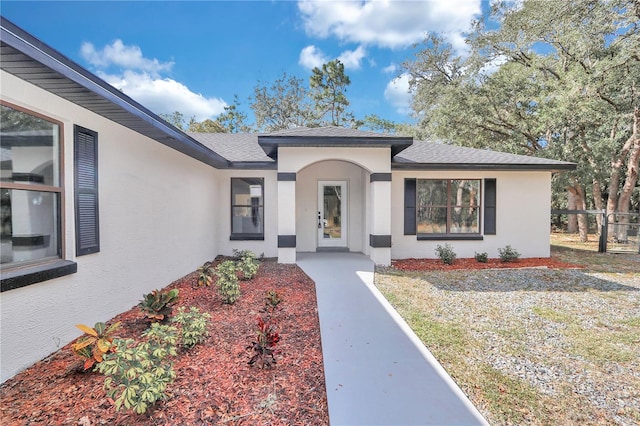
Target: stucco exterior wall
(522,219)
(295,159)
(158,210)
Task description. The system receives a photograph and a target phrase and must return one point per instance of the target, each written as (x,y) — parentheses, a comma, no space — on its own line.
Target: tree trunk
(596,186)
(572,219)
(581,204)
(616,170)
(624,200)
(597,201)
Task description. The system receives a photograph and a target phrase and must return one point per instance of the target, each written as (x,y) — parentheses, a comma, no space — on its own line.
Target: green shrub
(95,343)
(205,274)
(138,373)
(228,281)
(193,326)
(247,263)
(446,254)
(481,257)
(508,254)
(157,304)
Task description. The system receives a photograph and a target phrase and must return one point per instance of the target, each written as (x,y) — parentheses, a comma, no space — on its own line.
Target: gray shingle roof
(235,147)
(244,148)
(432,155)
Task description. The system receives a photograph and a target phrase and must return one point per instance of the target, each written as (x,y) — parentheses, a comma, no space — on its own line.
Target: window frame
(448,235)
(244,236)
(22,274)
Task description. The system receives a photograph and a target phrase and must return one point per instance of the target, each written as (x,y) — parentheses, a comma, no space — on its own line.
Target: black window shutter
(409,207)
(86,191)
(490,207)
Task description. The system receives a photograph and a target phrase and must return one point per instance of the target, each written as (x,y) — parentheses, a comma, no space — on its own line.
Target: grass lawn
(533,346)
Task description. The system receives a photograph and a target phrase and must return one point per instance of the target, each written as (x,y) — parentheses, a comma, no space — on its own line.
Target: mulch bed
(214,383)
(438,265)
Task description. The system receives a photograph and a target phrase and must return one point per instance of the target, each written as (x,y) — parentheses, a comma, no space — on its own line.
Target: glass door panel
(332,214)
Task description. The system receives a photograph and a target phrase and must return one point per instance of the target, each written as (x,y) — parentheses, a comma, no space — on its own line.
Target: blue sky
(195,56)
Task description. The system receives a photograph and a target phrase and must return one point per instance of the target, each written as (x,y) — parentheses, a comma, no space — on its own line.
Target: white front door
(332,214)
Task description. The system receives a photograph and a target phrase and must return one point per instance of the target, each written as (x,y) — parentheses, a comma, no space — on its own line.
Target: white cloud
(164,95)
(312,57)
(493,65)
(390,69)
(119,54)
(398,93)
(387,23)
(125,67)
(353,58)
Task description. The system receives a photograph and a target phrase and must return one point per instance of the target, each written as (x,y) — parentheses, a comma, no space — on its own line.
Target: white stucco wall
(522,219)
(159,210)
(222,225)
(295,159)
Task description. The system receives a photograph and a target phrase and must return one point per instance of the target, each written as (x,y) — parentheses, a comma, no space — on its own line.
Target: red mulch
(438,265)
(214,384)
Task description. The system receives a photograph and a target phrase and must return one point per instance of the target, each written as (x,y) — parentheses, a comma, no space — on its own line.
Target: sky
(195,56)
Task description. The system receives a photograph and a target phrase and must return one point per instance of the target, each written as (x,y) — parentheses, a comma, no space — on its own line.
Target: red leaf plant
(263,347)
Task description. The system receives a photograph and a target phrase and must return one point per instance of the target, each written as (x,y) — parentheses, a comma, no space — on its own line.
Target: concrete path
(377,371)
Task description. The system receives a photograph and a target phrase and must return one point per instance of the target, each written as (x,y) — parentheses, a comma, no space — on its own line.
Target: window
(247,208)
(447,207)
(31,189)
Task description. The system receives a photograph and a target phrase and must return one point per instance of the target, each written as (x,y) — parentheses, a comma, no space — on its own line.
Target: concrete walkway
(377,371)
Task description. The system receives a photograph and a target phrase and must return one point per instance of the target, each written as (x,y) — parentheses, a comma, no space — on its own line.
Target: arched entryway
(331,199)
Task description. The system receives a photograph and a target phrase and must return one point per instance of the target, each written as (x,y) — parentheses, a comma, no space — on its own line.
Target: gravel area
(572,337)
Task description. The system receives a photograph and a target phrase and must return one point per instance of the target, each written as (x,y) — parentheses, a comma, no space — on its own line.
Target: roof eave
(554,168)
(252,165)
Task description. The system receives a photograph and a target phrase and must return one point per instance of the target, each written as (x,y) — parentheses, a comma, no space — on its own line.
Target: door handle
(319,221)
